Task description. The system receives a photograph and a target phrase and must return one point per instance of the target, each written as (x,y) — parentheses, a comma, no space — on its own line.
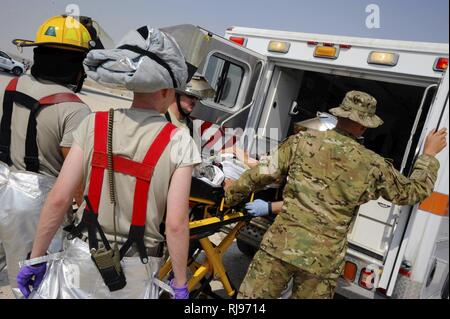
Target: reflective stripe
(436,204)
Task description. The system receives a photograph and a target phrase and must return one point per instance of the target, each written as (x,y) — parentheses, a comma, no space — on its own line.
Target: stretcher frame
(212,266)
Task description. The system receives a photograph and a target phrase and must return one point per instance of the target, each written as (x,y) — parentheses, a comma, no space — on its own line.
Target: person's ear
(168,93)
(164,93)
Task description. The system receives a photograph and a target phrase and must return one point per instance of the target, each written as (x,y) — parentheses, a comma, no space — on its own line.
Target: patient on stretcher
(210,177)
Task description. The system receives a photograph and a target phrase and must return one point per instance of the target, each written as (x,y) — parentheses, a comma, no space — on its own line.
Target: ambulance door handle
(414,128)
(294,109)
(237,113)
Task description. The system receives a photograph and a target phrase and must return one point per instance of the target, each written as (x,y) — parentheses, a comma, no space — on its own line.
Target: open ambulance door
(437,118)
(235,73)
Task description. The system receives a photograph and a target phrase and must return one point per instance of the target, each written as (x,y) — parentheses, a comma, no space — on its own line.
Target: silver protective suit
(22,195)
(73,275)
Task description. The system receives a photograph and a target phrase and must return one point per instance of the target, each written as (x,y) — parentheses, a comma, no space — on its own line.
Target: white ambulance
(267,80)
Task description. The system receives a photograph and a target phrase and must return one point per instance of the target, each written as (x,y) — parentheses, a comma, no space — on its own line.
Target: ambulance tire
(445,289)
(245,248)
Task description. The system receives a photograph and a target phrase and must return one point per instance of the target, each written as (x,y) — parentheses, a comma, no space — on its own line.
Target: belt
(156,251)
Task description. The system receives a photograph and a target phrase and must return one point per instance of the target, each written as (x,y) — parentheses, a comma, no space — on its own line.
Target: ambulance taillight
(350,271)
(238,40)
(441,64)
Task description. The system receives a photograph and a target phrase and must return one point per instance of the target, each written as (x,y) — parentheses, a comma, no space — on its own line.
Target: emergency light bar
(278,46)
(327,52)
(383,58)
(238,40)
(441,64)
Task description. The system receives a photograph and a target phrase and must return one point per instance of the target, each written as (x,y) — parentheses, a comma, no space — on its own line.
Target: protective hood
(145,60)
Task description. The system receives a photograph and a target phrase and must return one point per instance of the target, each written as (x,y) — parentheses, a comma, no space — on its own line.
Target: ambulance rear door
(437,118)
(235,73)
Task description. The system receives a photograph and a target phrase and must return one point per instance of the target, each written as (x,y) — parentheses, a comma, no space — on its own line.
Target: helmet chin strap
(180,109)
(80,83)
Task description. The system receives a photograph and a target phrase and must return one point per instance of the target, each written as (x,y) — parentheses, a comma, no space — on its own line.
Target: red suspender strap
(59,98)
(141,171)
(142,186)
(97,171)
(12,85)
(124,165)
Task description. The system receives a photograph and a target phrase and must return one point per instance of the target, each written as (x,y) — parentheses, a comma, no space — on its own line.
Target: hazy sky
(413,20)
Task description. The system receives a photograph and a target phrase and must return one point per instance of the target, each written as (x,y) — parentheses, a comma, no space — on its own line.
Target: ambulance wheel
(246,248)
(445,289)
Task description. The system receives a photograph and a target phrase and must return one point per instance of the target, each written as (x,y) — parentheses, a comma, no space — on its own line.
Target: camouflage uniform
(329,175)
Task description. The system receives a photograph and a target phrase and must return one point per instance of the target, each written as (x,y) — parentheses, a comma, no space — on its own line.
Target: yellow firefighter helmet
(79,33)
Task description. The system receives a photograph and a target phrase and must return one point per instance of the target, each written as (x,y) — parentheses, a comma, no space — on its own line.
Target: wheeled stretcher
(209,215)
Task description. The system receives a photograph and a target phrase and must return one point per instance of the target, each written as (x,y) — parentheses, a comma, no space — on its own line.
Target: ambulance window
(226,78)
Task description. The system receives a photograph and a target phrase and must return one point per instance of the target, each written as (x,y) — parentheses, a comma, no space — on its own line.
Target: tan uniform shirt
(55,125)
(182,124)
(134,131)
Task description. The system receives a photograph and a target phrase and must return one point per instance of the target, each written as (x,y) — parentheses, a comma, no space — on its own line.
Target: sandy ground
(100,98)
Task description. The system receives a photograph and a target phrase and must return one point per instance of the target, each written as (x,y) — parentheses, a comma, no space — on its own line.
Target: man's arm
(268,171)
(177,222)
(58,201)
(276,207)
(241,155)
(78,195)
(400,190)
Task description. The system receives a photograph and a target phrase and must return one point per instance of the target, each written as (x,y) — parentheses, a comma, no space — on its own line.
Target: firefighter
(330,175)
(39,114)
(179,111)
(136,169)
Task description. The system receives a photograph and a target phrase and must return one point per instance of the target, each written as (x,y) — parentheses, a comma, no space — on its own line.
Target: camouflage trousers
(268,276)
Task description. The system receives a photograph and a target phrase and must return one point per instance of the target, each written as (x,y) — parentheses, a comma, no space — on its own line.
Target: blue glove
(30,276)
(180,292)
(258,208)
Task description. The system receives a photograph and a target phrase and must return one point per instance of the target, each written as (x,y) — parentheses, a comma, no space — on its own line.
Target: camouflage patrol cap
(359,107)
(198,87)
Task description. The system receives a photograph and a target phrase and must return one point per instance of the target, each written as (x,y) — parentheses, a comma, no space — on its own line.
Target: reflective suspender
(142,171)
